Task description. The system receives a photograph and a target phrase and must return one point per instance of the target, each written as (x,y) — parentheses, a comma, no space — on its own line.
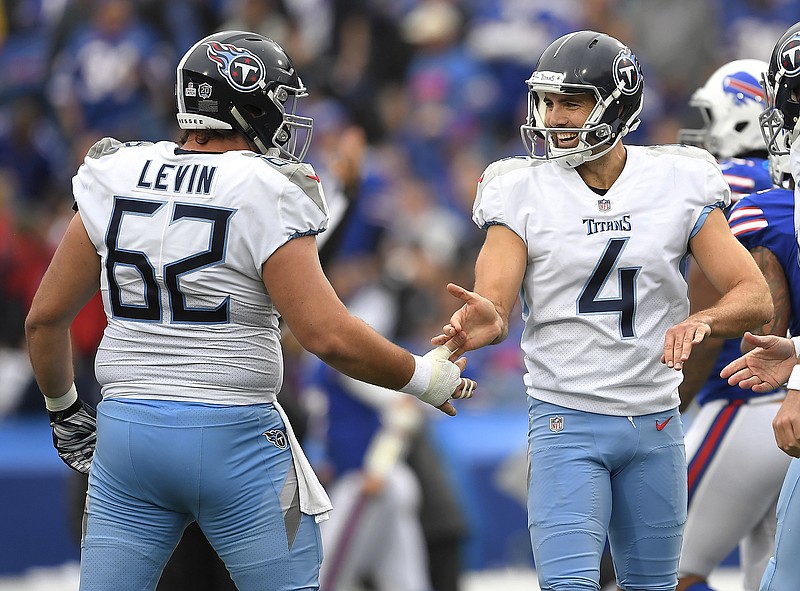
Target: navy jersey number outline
(150,310)
(624,305)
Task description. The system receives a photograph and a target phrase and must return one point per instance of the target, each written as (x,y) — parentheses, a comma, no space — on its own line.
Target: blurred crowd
(411,100)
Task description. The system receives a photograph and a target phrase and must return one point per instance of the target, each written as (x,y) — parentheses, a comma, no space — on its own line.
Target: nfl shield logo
(556,424)
(603,204)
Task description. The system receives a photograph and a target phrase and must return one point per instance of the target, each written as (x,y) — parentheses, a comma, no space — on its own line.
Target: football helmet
(584,62)
(780,121)
(730,103)
(244,81)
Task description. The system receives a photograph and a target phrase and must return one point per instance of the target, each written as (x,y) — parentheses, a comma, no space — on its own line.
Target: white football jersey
(182,237)
(604,276)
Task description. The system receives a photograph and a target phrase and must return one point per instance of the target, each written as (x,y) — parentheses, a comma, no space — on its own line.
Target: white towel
(313,498)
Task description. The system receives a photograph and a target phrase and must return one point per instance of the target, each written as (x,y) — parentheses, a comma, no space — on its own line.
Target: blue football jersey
(746,176)
(761,219)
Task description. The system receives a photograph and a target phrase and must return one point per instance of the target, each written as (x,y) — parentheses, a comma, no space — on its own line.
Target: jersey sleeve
(297,209)
(494,203)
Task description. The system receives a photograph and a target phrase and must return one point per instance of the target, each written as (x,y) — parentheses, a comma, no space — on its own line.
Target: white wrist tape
(62,402)
(435,377)
(794,379)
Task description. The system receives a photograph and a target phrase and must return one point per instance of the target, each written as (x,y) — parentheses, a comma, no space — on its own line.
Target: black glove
(75,435)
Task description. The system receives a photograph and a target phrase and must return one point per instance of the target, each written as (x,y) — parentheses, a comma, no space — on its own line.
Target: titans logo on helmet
(242,69)
(743,87)
(627,76)
(789,55)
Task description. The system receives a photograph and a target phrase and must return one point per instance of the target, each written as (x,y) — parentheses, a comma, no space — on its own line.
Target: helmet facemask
(292,136)
(596,137)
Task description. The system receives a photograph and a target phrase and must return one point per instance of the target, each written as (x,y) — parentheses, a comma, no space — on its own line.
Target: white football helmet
(730,103)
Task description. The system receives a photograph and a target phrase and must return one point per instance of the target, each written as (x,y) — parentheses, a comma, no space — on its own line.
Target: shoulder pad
(298,173)
(108,145)
(682,150)
(501,167)
(104,147)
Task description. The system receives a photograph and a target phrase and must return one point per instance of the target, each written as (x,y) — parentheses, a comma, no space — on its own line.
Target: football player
(593,234)
(198,247)
(774,361)
(730,440)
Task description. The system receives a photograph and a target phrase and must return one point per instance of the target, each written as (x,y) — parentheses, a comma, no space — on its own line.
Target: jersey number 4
(151,309)
(590,302)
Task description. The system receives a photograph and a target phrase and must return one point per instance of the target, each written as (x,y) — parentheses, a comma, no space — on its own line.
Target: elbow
(767,313)
(39,320)
(328,346)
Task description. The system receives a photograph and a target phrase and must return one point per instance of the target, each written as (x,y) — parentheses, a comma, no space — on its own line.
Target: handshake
(436,380)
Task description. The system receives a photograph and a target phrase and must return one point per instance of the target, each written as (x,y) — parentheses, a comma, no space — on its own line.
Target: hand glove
(75,435)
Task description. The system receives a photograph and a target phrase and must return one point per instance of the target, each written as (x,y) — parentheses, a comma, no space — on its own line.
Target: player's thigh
(569,500)
(783,571)
(250,507)
(131,529)
(734,474)
(649,509)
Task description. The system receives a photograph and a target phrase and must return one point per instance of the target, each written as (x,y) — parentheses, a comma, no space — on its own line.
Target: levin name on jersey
(177,178)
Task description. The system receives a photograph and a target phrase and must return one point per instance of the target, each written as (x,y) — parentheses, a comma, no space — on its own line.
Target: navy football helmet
(780,121)
(584,62)
(244,81)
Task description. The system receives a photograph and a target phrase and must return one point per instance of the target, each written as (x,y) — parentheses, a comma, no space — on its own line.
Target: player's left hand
(75,435)
(680,339)
(786,424)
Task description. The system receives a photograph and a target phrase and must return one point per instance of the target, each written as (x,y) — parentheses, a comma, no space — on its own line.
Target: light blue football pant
(161,465)
(592,476)
(783,569)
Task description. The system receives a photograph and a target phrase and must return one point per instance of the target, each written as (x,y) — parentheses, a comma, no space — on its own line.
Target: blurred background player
(729,104)
(774,361)
(735,470)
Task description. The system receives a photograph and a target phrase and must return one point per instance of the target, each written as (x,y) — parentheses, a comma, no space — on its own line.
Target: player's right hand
(445,381)
(75,435)
(476,324)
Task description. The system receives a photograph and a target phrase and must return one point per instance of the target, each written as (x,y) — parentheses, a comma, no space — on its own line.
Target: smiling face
(567,111)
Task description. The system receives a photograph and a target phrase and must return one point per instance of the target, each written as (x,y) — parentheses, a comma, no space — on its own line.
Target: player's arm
(484,317)
(323,326)
(775,277)
(697,369)
(68,284)
(745,303)
(702,295)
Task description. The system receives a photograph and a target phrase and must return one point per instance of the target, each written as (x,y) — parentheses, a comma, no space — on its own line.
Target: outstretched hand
(476,324)
(766,367)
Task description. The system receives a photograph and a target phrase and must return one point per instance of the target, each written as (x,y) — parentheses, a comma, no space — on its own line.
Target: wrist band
(420,379)
(794,379)
(62,402)
(796,341)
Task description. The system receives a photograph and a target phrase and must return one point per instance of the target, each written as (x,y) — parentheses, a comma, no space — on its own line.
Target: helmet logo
(627,76)
(242,69)
(789,55)
(743,87)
